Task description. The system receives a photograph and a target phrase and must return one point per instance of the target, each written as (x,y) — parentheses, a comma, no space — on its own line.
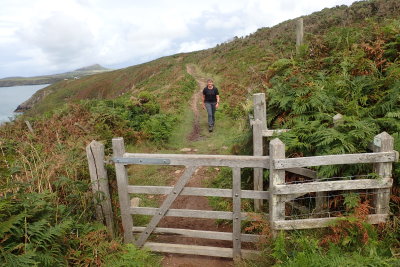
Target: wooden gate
(191,162)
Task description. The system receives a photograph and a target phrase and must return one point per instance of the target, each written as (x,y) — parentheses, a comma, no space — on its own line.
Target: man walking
(210,102)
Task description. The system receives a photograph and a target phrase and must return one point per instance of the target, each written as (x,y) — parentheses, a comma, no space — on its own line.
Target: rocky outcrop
(35,98)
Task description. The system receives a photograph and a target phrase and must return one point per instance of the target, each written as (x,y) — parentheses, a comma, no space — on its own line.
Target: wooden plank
(202,160)
(258,151)
(299,34)
(303,172)
(200,234)
(276,177)
(321,222)
(94,182)
(269,133)
(205,214)
(197,250)
(100,188)
(332,186)
(260,109)
(334,160)
(383,142)
(196,191)
(166,205)
(122,182)
(236,216)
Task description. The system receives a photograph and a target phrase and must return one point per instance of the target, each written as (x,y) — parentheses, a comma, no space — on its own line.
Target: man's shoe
(210,129)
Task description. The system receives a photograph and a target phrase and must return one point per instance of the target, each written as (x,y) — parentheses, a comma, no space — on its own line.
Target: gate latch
(142,161)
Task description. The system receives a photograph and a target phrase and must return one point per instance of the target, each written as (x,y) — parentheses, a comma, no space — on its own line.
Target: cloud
(194,45)
(74,33)
(61,37)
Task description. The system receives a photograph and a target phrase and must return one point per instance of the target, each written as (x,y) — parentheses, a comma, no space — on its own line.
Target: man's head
(210,83)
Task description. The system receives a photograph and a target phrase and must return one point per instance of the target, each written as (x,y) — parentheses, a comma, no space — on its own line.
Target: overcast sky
(40,37)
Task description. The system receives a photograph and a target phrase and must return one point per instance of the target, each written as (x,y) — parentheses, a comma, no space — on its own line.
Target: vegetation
(349,64)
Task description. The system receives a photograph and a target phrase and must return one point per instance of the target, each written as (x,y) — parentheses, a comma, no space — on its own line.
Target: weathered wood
(204,214)
(258,151)
(200,234)
(236,216)
(321,222)
(28,124)
(197,250)
(260,109)
(276,178)
(269,133)
(122,181)
(195,191)
(299,34)
(166,205)
(200,160)
(383,142)
(304,172)
(100,188)
(334,160)
(332,186)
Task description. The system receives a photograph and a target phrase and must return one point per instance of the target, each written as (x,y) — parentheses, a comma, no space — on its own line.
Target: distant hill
(95,67)
(50,79)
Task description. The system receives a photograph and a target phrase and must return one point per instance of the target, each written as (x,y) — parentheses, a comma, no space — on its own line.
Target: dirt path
(201,81)
(199,179)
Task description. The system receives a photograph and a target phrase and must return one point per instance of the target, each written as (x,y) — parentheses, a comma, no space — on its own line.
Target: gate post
(122,181)
(100,188)
(383,142)
(259,124)
(276,177)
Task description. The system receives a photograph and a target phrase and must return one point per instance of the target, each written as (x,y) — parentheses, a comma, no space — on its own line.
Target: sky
(39,37)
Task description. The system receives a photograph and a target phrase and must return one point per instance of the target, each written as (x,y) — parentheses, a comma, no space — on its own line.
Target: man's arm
(216,105)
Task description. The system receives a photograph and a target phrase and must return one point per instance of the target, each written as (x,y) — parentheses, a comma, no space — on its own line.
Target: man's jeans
(211,113)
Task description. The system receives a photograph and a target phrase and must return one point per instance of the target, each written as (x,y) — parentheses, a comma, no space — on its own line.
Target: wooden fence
(279,193)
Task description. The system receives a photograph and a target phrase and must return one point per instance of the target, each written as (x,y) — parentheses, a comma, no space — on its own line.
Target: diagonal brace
(166,205)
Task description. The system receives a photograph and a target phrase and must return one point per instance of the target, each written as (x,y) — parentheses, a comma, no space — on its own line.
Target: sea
(11,97)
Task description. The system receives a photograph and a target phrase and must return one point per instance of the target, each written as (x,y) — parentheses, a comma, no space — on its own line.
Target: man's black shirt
(210,95)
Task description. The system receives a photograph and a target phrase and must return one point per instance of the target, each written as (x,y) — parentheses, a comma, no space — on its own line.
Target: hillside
(349,64)
(50,79)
